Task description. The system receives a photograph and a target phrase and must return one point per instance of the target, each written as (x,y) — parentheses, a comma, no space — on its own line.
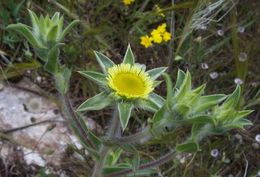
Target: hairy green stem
(162,160)
(112,131)
(71,117)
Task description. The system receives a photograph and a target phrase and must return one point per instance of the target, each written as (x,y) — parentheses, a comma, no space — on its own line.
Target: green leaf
(180,79)
(52,34)
(242,114)
(42,28)
(67,29)
(206,102)
(156,72)
(199,90)
(162,113)
(217,98)
(148,105)
(185,87)
(156,83)
(169,88)
(25,31)
(200,119)
(182,109)
(97,77)
(103,61)
(124,110)
(35,22)
(157,99)
(240,123)
(129,56)
(55,18)
(187,147)
(97,102)
(233,99)
(113,157)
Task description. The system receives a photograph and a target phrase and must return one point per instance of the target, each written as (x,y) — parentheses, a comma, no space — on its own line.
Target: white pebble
(34,158)
(220,32)
(38,78)
(213,75)
(214,152)
(238,81)
(241,29)
(242,57)
(204,66)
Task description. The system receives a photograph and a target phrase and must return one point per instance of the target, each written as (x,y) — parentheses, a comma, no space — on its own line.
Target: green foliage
(206,114)
(45,35)
(10,10)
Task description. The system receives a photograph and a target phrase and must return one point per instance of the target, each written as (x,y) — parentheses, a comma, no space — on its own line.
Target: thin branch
(29,125)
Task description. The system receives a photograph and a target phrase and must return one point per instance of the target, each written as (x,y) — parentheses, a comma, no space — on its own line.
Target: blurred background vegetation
(216,40)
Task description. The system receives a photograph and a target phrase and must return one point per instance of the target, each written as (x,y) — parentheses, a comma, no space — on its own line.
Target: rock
(40,144)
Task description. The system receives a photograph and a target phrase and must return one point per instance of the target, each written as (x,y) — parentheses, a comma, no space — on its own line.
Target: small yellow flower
(162,28)
(167,36)
(146,41)
(130,81)
(128,2)
(156,36)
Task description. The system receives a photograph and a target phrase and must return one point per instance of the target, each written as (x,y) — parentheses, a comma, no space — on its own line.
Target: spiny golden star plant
(127,85)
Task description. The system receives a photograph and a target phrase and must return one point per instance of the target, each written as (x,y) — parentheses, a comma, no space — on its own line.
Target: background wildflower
(146,41)
(166,36)
(156,36)
(128,2)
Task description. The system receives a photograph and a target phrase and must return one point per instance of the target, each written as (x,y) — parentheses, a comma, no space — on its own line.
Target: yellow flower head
(128,2)
(166,36)
(162,28)
(146,41)
(156,36)
(130,81)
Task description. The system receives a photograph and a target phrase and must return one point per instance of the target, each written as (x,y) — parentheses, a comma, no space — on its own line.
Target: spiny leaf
(97,102)
(129,56)
(103,61)
(156,72)
(67,29)
(124,110)
(95,76)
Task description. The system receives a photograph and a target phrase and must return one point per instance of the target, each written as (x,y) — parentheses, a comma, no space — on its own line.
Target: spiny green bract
(208,114)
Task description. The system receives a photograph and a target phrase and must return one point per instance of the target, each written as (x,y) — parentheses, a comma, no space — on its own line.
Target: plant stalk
(112,132)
